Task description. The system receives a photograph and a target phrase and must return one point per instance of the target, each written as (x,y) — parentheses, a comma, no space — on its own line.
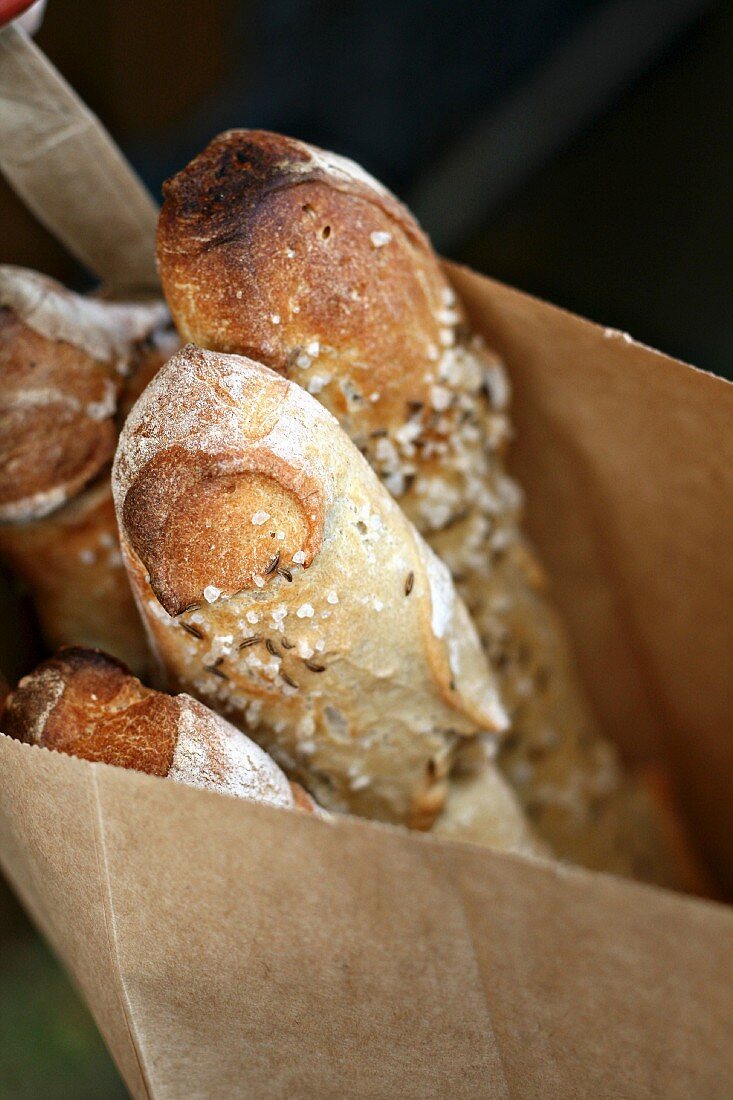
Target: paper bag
(230,949)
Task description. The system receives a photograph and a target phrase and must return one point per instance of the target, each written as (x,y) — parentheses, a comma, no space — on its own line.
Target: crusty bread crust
(280,583)
(71,562)
(53,439)
(70,369)
(63,361)
(87,704)
(277,250)
(328,259)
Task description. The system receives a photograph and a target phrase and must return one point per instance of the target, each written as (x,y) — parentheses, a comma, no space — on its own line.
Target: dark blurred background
(579,149)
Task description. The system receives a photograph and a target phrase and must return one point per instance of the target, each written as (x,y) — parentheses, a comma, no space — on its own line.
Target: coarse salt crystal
(211,593)
(408,432)
(303,361)
(440,398)
(378,605)
(359,783)
(260,517)
(280,536)
(313,348)
(290,253)
(395,483)
(379,238)
(275,318)
(305,611)
(384,451)
(259,581)
(88,557)
(318,382)
(332,597)
(252,617)
(299,557)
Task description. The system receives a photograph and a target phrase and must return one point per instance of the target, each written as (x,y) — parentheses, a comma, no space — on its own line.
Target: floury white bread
(280,583)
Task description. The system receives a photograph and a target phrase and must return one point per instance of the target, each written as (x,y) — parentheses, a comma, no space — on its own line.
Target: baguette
(271,248)
(87,704)
(69,366)
(280,583)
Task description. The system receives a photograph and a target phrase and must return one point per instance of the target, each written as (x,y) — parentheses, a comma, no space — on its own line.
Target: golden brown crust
(63,361)
(251,197)
(51,444)
(304,627)
(188,511)
(71,563)
(371,325)
(70,367)
(154,351)
(85,703)
(182,502)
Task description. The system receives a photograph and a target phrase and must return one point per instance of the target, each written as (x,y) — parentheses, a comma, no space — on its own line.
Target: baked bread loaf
(271,248)
(69,366)
(87,704)
(71,562)
(280,583)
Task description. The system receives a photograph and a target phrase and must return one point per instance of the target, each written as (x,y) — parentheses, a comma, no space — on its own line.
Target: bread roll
(68,367)
(87,704)
(280,583)
(71,563)
(275,249)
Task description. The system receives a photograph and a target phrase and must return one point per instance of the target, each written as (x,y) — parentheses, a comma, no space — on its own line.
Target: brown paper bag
(229,949)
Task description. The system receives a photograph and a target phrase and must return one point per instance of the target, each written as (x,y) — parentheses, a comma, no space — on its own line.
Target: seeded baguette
(84,703)
(275,249)
(281,584)
(69,367)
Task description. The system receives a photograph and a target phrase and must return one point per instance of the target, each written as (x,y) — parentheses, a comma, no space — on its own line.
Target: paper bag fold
(69,172)
(231,949)
(626,457)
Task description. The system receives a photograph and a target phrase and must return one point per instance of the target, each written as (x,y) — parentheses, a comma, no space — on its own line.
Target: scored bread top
(272,248)
(86,704)
(63,361)
(296,257)
(281,583)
